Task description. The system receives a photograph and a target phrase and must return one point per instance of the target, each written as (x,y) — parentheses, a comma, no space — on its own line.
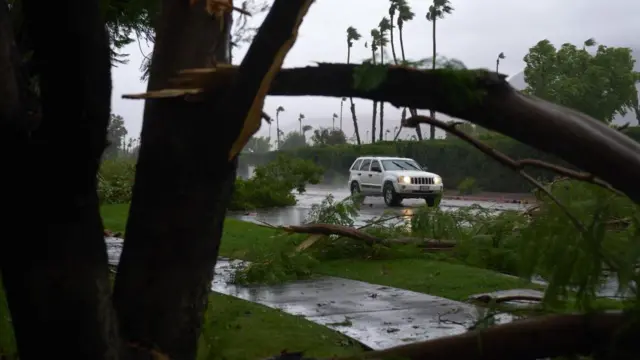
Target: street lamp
(500,56)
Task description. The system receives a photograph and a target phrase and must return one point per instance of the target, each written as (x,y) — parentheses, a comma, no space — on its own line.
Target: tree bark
(54,265)
(182,186)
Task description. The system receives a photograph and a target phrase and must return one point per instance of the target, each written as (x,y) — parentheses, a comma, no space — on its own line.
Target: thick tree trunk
(182,187)
(54,265)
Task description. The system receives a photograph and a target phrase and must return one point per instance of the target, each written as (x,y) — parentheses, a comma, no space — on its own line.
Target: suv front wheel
(390,196)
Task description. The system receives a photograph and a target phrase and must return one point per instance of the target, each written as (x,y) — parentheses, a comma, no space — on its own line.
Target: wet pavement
(377,316)
(373,207)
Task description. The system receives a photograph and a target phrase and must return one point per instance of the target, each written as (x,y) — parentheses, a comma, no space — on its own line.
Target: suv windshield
(400,164)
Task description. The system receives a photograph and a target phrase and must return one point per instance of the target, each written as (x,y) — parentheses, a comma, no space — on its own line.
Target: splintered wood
(218,8)
(192,82)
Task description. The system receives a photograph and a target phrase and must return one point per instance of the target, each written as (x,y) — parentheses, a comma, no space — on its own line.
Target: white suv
(394,179)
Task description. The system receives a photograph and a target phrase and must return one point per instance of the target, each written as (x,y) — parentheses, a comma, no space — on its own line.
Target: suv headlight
(437,180)
(404,180)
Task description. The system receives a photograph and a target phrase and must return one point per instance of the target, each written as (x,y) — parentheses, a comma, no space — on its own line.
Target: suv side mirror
(425,168)
(376,169)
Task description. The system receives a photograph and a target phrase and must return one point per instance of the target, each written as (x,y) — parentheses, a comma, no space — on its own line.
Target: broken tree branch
(498,156)
(515,165)
(535,338)
(349,232)
(260,66)
(479,96)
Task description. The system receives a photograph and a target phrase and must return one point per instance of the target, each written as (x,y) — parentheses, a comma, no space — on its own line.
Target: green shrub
(115,180)
(271,185)
(468,186)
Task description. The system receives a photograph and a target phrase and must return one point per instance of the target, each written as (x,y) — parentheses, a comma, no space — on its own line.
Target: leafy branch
(479,96)
(516,165)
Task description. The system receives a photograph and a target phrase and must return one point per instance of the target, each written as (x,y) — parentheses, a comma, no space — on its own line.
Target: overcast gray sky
(475,33)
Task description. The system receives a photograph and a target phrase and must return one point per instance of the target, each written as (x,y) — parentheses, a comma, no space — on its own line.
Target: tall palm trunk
(352,106)
(382,102)
(277,131)
(432,129)
(413,112)
(393,47)
(375,104)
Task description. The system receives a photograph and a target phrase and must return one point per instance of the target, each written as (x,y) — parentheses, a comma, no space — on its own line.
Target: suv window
(375,166)
(356,165)
(365,165)
(400,164)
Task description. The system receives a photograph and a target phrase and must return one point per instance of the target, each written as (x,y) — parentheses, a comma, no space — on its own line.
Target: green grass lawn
(243,240)
(452,281)
(238,329)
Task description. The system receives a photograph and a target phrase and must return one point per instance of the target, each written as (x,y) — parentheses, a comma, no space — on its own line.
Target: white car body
(394,179)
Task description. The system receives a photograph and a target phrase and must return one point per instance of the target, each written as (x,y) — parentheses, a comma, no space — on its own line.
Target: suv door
(375,176)
(365,183)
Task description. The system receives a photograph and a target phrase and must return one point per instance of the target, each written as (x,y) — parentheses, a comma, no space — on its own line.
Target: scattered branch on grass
(487,298)
(500,157)
(481,97)
(383,220)
(535,338)
(349,232)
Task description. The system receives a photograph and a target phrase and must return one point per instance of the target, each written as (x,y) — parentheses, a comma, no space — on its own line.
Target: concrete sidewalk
(379,317)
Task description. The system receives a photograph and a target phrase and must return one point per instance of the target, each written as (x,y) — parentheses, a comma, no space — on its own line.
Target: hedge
(453,159)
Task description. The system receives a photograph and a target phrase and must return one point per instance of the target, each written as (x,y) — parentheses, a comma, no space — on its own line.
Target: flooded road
(373,207)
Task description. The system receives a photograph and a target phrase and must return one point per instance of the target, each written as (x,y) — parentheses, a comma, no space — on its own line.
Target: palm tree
(353,35)
(375,40)
(333,120)
(436,11)
(386,132)
(383,26)
(300,118)
(305,129)
(341,104)
(404,14)
(500,56)
(278,111)
(392,13)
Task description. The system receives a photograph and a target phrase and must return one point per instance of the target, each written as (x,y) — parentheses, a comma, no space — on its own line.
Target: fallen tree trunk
(479,96)
(534,338)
